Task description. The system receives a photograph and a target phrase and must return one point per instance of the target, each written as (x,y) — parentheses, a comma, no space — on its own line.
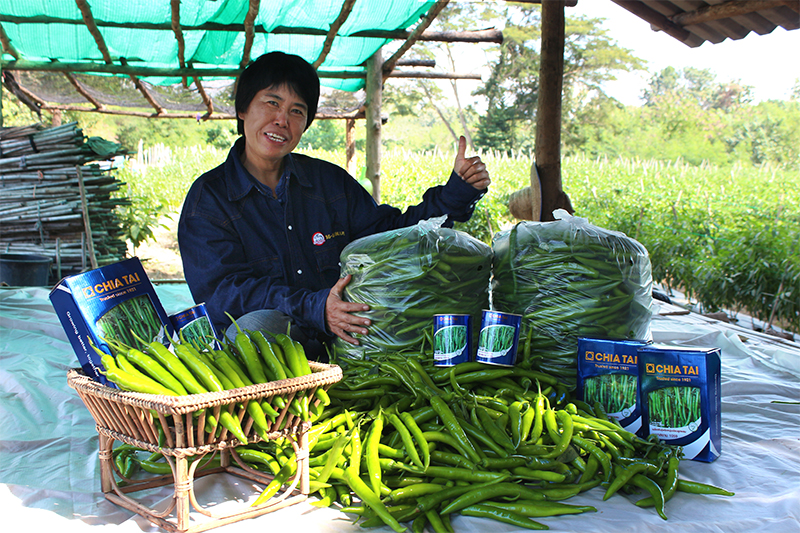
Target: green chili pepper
(655,491)
(258,457)
(419,437)
(199,368)
(544,475)
(563,440)
(414,491)
(542,509)
(369,498)
(372,453)
(598,454)
(436,522)
(502,515)
(694,487)
(623,475)
(269,354)
(493,430)
(130,382)
(455,429)
(515,422)
(407,439)
(495,491)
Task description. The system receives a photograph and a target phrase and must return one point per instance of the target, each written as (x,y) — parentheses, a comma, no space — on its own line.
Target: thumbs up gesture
(470,169)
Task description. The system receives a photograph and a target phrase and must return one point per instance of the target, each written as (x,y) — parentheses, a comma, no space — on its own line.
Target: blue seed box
(108,302)
(680,393)
(608,372)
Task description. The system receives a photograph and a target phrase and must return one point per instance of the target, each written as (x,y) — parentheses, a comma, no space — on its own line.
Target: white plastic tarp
(50,475)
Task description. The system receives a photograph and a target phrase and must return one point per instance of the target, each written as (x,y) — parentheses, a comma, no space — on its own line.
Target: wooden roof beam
(143,114)
(321,115)
(88,19)
(83,92)
(89,22)
(487,35)
(347,8)
(209,103)
(142,89)
(33,102)
(124,68)
(567,3)
(656,19)
(427,20)
(416,62)
(249,31)
(175,8)
(733,8)
(8,48)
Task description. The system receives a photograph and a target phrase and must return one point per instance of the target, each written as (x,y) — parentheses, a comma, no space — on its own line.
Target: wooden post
(350,146)
(373,146)
(547,160)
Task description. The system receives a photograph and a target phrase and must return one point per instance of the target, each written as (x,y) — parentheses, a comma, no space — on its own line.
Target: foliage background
(706,179)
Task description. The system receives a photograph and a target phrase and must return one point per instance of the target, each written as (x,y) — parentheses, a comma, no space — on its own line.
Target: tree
(697,85)
(590,58)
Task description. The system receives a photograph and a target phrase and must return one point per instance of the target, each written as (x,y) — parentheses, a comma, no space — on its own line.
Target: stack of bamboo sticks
(56,200)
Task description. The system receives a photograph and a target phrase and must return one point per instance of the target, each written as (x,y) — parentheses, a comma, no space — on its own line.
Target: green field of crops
(727,237)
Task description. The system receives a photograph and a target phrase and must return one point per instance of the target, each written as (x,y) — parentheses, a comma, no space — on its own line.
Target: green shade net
(140,32)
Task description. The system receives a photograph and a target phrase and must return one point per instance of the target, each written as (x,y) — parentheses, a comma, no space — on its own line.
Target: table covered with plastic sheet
(50,472)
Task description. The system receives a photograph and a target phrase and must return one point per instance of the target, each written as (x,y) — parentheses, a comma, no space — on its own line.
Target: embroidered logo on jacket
(318,239)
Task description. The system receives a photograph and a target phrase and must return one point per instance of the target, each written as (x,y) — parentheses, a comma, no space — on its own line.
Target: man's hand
(471,169)
(338,314)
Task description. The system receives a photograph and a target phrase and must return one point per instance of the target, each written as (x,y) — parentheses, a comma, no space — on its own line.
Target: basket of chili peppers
(190,407)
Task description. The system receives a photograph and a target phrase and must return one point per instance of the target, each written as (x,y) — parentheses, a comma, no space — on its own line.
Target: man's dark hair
(273,70)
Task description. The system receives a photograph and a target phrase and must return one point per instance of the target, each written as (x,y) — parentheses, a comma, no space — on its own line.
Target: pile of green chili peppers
(569,279)
(409,445)
(408,275)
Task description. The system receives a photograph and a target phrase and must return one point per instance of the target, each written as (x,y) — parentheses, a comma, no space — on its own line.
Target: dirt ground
(160,257)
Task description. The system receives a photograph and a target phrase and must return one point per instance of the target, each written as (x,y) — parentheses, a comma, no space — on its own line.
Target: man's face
(274,123)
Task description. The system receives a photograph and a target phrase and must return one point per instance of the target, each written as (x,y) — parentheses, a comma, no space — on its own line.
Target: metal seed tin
(452,339)
(194,324)
(499,338)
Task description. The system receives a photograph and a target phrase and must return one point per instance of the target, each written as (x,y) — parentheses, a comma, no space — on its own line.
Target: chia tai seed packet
(194,326)
(115,302)
(681,398)
(608,373)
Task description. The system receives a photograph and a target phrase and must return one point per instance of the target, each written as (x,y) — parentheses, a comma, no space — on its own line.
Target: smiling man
(260,235)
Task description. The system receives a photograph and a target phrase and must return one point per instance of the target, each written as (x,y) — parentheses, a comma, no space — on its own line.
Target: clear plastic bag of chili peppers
(408,275)
(570,279)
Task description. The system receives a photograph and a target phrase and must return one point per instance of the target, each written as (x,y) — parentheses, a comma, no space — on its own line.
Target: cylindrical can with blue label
(193,324)
(498,338)
(452,339)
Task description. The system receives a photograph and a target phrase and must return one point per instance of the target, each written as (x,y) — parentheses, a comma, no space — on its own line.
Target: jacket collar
(241,182)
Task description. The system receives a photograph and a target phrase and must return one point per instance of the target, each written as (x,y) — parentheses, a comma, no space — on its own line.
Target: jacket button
(299,271)
(290,228)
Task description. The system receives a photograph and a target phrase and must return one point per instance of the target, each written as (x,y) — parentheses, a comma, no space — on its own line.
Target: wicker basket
(137,419)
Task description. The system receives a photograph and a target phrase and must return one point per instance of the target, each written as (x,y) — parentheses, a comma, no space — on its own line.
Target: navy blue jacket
(243,249)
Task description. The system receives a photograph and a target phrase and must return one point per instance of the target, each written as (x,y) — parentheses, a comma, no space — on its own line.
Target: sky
(770,64)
